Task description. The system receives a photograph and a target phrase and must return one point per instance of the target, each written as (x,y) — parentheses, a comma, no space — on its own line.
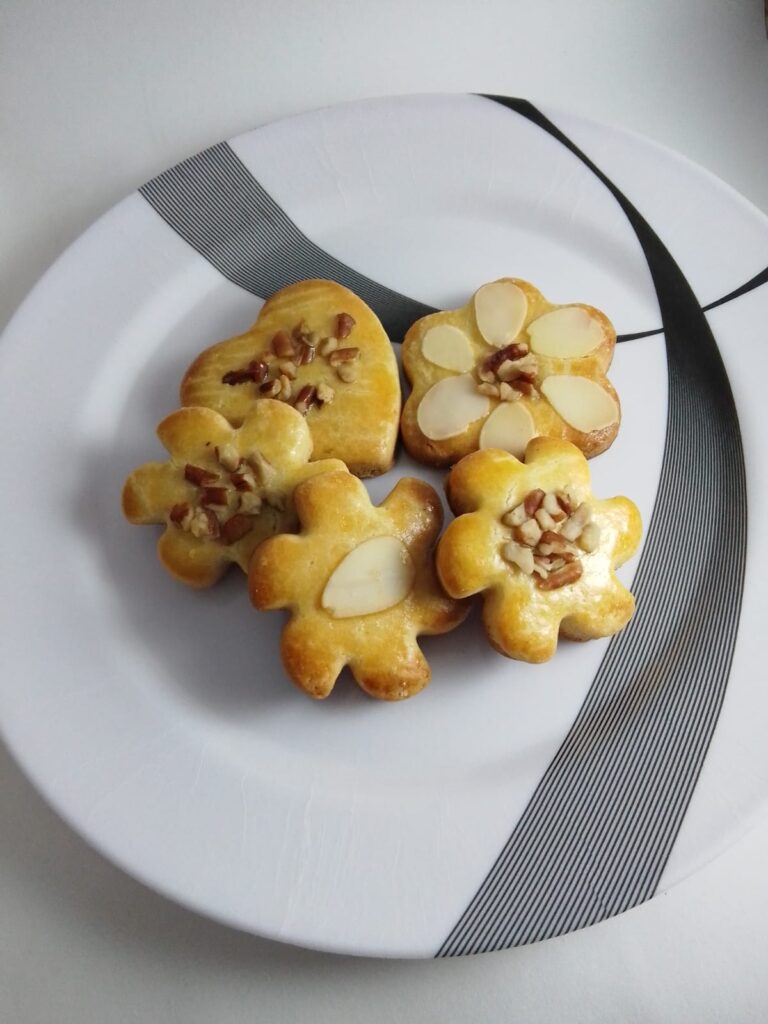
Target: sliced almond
(567,333)
(500,311)
(447,346)
(582,403)
(509,427)
(450,406)
(374,576)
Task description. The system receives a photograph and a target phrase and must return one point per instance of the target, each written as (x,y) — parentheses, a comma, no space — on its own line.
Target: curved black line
(743,289)
(597,833)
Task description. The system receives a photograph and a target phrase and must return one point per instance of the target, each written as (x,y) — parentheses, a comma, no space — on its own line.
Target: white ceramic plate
(507,802)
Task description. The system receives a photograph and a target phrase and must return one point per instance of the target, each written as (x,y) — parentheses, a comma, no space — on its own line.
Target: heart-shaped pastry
(505,368)
(321,349)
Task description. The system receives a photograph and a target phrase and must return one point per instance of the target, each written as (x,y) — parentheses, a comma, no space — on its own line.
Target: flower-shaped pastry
(224,490)
(540,548)
(360,583)
(507,367)
(321,349)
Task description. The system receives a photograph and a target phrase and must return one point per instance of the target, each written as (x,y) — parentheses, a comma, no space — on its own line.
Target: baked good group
(278,425)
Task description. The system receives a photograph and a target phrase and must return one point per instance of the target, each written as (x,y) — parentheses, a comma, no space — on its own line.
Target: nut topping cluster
(275,372)
(509,373)
(550,530)
(229,497)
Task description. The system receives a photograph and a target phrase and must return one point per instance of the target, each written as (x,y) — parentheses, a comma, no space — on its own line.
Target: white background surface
(95,99)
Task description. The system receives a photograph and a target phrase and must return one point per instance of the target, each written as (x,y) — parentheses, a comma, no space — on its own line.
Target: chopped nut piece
(250,502)
(325,393)
(237,377)
(344,325)
(204,524)
(236,527)
(590,537)
(515,516)
(285,387)
(265,470)
(540,568)
(287,368)
(528,533)
(343,355)
(525,387)
(552,543)
(305,399)
(228,456)
(300,331)
(270,388)
(518,555)
(282,345)
(305,354)
(514,351)
(213,496)
(533,501)
(179,513)
(508,394)
(491,390)
(507,370)
(565,502)
(347,372)
(572,527)
(568,574)
(545,520)
(199,476)
(487,376)
(552,505)
(328,345)
(244,480)
(259,370)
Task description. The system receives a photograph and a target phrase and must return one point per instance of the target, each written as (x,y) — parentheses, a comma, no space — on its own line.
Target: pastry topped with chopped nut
(505,368)
(317,347)
(224,489)
(360,583)
(541,549)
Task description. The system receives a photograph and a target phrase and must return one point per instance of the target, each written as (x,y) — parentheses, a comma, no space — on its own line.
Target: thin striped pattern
(214,202)
(596,835)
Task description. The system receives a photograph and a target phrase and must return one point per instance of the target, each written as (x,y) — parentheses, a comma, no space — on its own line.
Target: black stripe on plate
(597,833)
(214,202)
(216,205)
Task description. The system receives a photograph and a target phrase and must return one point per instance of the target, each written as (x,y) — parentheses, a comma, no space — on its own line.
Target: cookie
(532,539)
(318,347)
(360,583)
(505,368)
(224,489)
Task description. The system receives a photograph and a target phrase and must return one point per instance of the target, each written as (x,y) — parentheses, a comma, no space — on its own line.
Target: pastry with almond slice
(360,583)
(224,489)
(317,347)
(541,549)
(506,367)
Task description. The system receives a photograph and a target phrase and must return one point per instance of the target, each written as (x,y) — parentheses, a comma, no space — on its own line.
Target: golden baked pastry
(360,583)
(540,548)
(318,347)
(224,489)
(507,367)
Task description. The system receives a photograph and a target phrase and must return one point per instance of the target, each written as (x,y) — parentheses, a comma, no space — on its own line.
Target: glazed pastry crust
(292,571)
(360,425)
(191,435)
(423,374)
(521,620)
